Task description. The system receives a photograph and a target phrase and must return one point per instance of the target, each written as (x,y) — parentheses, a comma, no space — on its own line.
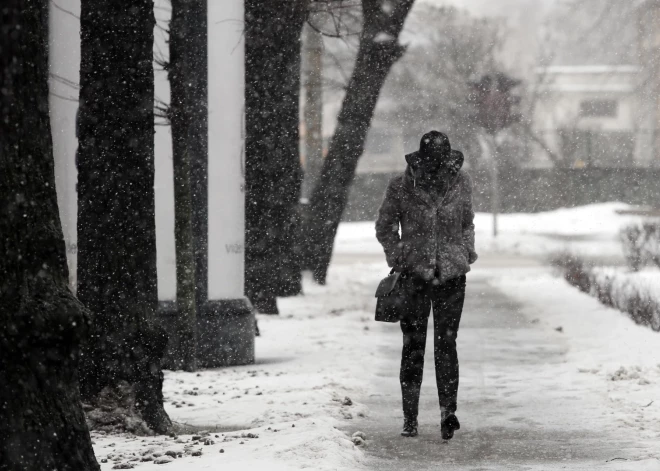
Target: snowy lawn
(591,230)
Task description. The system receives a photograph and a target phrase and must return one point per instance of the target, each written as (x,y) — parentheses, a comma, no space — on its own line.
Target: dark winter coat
(436,236)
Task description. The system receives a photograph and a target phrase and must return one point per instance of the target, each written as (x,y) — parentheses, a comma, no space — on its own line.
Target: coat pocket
(454,262)
(466,253)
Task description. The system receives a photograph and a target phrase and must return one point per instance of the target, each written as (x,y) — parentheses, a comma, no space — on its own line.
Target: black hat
(435,144)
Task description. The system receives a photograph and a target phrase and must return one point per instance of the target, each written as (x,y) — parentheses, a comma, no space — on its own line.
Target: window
(599,108)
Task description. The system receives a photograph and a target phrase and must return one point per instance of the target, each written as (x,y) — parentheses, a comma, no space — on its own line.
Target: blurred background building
(590,116)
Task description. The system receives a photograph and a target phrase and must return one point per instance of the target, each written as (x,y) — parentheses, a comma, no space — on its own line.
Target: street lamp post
(494,102)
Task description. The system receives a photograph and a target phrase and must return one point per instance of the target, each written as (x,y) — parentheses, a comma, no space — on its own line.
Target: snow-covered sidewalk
(285,412)
(560,366)
(608,359)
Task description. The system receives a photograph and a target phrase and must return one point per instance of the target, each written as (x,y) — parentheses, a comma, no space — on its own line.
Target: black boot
(409,428)
(449,423)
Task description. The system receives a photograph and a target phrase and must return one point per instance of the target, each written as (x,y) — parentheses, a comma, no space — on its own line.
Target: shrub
(641,244)
(574,270)
(652,242)
(612,290)
(632,242)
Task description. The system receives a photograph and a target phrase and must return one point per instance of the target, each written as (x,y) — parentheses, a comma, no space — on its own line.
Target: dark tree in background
(313,106)
(116,222)
(188,118)
(379,50)
(273,175)
(42,425)
(494,102)
(430,85)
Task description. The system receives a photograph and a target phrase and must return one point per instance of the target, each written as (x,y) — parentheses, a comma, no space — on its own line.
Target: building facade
(592,115)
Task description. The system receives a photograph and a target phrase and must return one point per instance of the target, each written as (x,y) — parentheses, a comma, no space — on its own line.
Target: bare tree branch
(70,13)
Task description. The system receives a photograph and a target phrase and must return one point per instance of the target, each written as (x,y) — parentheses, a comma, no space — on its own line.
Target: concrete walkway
(518,408)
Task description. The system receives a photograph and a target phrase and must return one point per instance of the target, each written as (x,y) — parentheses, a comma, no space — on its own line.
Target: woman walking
(426,228)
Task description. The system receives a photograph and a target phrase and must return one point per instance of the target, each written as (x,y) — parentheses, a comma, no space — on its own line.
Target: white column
(64,69)
(164,176)
(226,204)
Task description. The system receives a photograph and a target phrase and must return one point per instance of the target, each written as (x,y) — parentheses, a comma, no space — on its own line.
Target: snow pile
(308,443)
(590,230)
(630,374)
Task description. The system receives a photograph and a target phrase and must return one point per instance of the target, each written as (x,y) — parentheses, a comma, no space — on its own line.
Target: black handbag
(389,307)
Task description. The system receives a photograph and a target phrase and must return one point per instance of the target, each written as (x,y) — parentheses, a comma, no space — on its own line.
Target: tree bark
(273,174)
(379,50)
(188,117)
(116,220)
(313,108)
(42,425)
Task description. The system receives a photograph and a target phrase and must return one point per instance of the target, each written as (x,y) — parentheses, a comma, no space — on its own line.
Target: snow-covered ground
(310,369)
(315,362)
(591,230)
(618,359)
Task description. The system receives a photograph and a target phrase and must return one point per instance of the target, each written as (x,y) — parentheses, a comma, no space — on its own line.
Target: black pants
(447,301)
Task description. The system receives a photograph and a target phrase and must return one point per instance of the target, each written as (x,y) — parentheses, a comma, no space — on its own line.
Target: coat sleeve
(468,222)
(387,225)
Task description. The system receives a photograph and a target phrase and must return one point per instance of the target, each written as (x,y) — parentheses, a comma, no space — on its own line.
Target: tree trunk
(379,50)
(188,117)
(313,108)
(273,174)
(42,425)
(116,223)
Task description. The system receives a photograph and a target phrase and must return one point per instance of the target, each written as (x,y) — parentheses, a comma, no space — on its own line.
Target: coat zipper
(436,236)
(435,216)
